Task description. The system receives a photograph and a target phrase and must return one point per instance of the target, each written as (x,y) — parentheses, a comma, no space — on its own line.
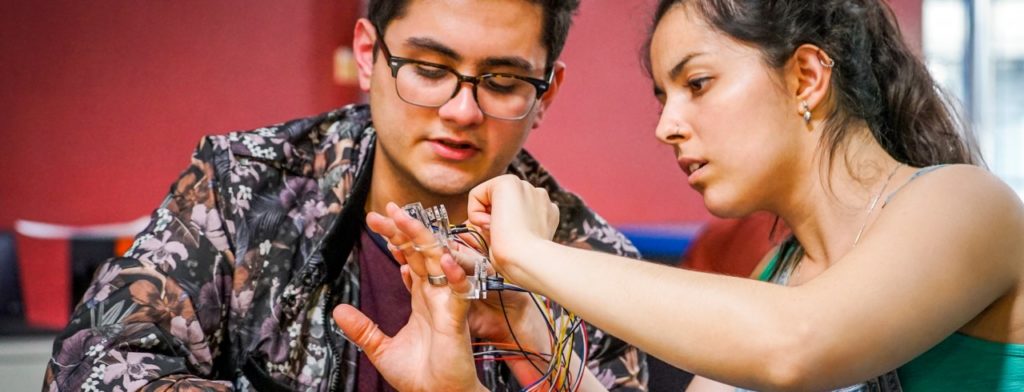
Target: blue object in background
(663,243)
(11,311)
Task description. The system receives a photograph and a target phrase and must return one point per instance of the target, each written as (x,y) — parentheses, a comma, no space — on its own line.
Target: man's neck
(387,187)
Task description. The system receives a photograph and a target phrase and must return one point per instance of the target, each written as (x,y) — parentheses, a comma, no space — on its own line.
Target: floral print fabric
(228,288)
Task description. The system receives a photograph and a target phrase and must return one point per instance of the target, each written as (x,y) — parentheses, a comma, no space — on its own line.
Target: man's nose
(463,108)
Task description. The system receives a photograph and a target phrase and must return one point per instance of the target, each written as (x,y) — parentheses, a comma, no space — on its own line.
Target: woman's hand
(514,215)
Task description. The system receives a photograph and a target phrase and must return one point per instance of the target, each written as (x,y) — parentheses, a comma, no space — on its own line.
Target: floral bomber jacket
(231,285)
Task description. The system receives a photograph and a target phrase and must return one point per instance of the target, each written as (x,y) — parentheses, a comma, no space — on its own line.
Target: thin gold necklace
(874,202)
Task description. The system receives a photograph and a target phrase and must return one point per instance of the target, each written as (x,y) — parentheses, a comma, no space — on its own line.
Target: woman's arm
(915,278)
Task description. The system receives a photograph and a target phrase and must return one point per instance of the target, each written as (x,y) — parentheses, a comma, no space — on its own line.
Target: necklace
(874,202)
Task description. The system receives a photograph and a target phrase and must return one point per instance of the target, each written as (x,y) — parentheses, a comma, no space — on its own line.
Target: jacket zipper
(336,351)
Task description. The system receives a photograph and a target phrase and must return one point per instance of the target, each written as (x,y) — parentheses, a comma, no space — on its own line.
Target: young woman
(906,261)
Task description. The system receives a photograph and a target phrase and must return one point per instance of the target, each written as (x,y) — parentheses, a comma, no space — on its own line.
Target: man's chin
(450,184)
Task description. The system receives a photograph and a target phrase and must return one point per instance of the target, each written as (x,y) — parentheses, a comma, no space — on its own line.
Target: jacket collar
(311,146)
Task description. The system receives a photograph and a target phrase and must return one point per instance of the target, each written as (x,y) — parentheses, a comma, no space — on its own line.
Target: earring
(824,60)
(806,112)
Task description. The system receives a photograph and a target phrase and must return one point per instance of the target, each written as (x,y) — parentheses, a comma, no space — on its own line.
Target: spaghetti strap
(920,172)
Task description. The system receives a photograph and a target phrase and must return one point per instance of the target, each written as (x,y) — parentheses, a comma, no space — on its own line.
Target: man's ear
(809,76)
(558,77)
(364,43)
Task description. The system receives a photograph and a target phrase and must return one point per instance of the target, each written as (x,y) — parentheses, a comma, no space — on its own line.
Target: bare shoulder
(967,201)
(970,188)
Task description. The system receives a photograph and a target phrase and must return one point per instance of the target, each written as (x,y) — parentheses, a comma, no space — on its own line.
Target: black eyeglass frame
(395,62)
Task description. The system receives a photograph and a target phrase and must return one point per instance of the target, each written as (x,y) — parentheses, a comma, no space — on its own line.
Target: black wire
(497,283)
(460,229)
(511,331)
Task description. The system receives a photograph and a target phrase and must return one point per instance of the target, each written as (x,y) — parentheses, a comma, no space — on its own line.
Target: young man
(232,284)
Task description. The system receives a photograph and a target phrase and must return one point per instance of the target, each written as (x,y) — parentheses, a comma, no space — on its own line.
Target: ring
(437,280)
(405,246)
(435,245)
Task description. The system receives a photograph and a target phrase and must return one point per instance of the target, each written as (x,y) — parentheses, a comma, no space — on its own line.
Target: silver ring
(434,245)
(437,280)
(405,246)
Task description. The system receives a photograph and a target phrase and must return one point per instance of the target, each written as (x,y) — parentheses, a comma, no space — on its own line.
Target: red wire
(586,353)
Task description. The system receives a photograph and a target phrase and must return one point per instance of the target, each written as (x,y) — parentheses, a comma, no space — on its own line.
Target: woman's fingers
(481,198)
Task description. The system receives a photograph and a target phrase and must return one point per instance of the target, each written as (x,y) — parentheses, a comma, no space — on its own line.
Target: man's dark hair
(555,27)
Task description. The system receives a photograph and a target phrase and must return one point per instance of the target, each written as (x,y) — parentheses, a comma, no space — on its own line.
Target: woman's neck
(834,204)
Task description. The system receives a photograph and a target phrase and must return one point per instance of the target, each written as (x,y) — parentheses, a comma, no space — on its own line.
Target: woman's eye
(698,84)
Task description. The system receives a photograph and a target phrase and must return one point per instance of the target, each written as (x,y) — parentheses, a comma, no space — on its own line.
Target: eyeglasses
(499,95)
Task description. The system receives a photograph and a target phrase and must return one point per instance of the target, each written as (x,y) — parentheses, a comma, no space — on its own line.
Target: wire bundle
(564,328)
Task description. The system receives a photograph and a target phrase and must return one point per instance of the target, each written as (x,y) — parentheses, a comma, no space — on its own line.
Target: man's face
(434,153)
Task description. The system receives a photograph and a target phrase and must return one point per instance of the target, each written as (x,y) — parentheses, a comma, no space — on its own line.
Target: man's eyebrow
(433,46)
(509,61)
(429,44)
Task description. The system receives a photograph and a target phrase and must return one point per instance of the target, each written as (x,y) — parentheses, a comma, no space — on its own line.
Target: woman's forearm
(689,319)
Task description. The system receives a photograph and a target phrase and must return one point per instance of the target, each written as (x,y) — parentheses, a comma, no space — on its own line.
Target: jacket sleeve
(155,318)
(618,365)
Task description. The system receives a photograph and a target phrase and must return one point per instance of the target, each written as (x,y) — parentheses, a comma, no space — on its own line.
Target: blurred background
(101,104)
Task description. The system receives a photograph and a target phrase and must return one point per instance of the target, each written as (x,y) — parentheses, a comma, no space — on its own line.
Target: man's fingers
(360,329)
(385,226)
(426,248)
(468,258)
(457,278)
(406,277)
(381,224)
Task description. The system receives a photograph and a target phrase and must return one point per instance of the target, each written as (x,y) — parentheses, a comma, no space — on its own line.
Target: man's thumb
(360,329)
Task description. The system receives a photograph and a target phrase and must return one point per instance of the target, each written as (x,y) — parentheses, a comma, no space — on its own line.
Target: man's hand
(489,318)
(432,351)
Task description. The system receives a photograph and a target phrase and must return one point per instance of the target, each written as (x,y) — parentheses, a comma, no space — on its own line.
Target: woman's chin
(724,207)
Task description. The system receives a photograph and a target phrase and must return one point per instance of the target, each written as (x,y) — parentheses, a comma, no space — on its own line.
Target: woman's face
(729,117)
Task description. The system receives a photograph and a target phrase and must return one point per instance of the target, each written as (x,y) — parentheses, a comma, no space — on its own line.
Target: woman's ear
(364,45)
(809,76)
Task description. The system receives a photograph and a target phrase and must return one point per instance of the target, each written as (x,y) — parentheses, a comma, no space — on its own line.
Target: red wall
(101,102)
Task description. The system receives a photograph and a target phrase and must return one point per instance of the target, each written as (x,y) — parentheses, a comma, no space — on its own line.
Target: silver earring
(824,60)
(806,111)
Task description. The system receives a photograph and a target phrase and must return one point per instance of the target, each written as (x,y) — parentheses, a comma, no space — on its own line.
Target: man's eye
(430,72)
(503,84)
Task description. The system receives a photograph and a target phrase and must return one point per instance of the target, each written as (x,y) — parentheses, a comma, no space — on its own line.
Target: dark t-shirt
(383,298)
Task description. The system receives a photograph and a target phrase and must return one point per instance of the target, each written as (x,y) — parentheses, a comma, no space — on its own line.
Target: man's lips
(453,149)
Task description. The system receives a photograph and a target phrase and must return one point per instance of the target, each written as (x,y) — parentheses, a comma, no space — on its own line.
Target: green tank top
(958,363)
(966,363)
